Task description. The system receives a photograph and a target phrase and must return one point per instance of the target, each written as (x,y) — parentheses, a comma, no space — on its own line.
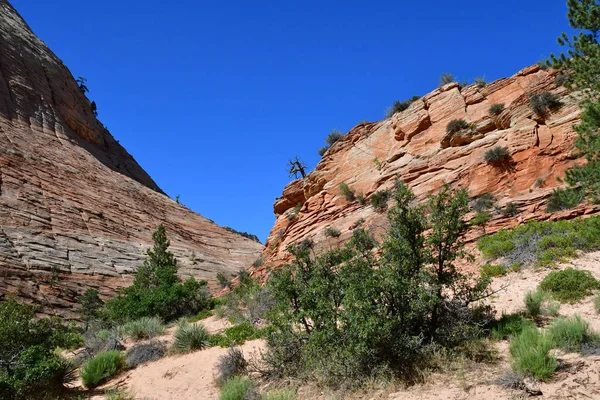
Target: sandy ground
(192,376)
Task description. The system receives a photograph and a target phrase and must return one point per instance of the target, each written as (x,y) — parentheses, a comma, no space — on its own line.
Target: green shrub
(281,394)
(484,202)
(542,243)
(570,333)
(347,192)
(380,199)
(508,326)
(201,315)
(597,303)
(332,232)
(569,285)
(399,106)
(144,352)
(543,102)
(480,82)
(492,270)
(564,199)
(457,125)
(497,154)
(223,281)
(116,393)
(189,337)
(446,79)
(481,218)
(143,328)
(237,335)
(231,364)
(533,302)
(238,388)
(510,210)
(102,366)
(496,109)
(330,140)
(530,352)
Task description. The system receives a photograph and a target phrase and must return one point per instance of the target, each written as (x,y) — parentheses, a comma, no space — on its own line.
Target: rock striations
(414,146)
(76,210)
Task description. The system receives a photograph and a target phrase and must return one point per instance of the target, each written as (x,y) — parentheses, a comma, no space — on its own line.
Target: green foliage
(333,137)
(143,328)
(157,290)
(246,302)
(457,125)
(237,335)
(189,337)
(90,305)
(509,325)
(231,364)
(247,235)
(564,199)
(281,394)
(238,388)
(496,155)
(597,303)
(481,218)
(294,212)
(538,303)
(101,367)
(380,199)
(399,106)
(542,243)
(206,313)
(347,192)
(28,361)
(484,202)
(492,270)
(347,315)
(510,209)
(116,393)
(332,232)
(223,281)
(480,82)
(496,109)
(570,333)
(446,79)
(544,102)
(530,351)
(569,285)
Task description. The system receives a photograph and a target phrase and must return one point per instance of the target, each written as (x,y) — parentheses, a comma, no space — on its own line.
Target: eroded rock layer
(76,210)
(414,146)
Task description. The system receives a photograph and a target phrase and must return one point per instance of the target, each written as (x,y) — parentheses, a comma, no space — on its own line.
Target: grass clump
(571,333)
(101,367)
(496,109)
(143,328)
(380,199)
(190,337)
(564,199)
(597,303)
(281,394)
(481,218)
(544,102)
(446,79)
(569,285)
(206,313)
(538,303)
(492,270)
(332,232)
(237,335)
(542,243)
(497,154)
(508,326)
(530,352)
(399,106)
(457,125)
(480,82)
(347,192)
(238,388)
(510,210)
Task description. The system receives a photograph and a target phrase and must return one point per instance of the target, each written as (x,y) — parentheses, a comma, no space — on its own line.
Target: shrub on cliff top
(457,125)
(496,109)
(543,102)
(399,106)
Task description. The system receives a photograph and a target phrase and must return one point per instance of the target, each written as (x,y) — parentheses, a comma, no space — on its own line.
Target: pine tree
(580,66)
(160,268)
(90,306)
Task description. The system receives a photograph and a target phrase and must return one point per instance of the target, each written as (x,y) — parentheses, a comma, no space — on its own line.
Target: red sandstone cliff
(73,202)
(413,146)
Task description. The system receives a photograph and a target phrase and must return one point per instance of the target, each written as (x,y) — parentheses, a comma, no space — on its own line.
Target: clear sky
(213,97)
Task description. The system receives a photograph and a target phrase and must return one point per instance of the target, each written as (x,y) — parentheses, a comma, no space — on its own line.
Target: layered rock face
(76,210)
(414,147)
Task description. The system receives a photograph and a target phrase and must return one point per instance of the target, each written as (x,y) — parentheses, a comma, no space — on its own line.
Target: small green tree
(581,64)
(94,108)
(90,306)
(81,84)
(160,268)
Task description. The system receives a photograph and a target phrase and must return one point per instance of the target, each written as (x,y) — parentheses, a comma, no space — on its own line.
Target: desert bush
(597,303)
(380,199)
(238,388)
(144,352)
(496,109)
(508,326)
(330,140)
(530,352)
(542,243)
(446,79)
(347,315)
(399,106)
(538,303)
(457,125)
(358,223)
(347,192)
(201,315)
(102,366)
(224,282)
(484,202)
(543,102)
(569,285)
(492,270)
(294,212)
(237,335)
(497,154)
(480,82)
(280,394)
(143,328)
(481,218)
(570,333)
(512,380)
(189,337)
(247,302)
(332,232)
(564,199)
(543,65)
(510,210)
(231,364)
(115,393)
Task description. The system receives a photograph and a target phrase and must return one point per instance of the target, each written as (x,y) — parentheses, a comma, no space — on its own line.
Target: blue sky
(212,98)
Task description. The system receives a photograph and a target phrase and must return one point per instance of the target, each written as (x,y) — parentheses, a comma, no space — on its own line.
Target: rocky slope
(76,210)
(413,145)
